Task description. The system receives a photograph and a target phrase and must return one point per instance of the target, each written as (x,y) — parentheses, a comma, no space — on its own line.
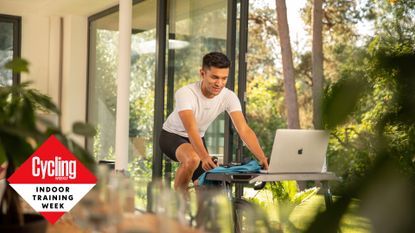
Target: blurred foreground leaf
(18,65)
(84,129)
(340,100)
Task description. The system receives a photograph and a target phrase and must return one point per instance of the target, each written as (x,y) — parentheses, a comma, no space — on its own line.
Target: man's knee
(192,162)
(187,156)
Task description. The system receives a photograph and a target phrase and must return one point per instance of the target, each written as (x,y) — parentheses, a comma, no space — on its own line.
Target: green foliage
(263,115)
(305,195)
(339,18)
(284,191)
(372,147)
(393,20)
(379,147)
(287,192)
(354,146)
(287,198)
(141,167)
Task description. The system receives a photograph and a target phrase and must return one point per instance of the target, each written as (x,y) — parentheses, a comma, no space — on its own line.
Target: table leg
(228,189)
(328,197)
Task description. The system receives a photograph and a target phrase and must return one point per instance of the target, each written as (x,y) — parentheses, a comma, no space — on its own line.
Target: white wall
(35,48)
(58,66)
(55,59)
(75,41)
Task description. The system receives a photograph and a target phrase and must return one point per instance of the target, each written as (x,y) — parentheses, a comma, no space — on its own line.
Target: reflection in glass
(6,52)
(203,24)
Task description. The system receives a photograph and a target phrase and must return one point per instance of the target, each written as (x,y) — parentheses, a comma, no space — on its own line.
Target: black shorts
(169,142)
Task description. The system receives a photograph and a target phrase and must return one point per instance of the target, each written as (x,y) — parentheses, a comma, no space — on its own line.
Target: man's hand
(264,163)
(248,136)
(207,163)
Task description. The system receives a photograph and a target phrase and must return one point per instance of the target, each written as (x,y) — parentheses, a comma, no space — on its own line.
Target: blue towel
(251,166)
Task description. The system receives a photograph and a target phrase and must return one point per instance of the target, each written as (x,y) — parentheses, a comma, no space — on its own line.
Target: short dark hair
(216,59)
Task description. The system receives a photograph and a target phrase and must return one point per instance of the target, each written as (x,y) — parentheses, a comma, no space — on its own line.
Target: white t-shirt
(204,109)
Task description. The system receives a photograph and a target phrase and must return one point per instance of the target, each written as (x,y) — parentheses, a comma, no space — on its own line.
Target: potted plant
(22,131)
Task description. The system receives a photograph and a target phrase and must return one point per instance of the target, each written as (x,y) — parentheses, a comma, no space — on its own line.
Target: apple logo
(300,151)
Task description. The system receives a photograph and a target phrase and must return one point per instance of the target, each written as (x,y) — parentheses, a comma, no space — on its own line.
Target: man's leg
(189,161)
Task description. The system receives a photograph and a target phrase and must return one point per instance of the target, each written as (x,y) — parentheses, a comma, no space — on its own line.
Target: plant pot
(34,223)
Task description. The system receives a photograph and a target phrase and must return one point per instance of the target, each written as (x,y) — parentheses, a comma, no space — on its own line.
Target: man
(197,106)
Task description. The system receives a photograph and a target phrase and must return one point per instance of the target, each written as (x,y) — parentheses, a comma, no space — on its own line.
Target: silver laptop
(298,151)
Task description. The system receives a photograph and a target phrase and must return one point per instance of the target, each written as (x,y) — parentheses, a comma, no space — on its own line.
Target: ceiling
(144,13)
(143,18)
(185,18)
(55,7)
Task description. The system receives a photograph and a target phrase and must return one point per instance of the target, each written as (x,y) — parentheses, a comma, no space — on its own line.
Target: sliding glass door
(102,91)
(195,28)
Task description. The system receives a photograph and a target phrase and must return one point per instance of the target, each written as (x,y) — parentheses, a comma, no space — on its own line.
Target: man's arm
(248,136)
(189,123)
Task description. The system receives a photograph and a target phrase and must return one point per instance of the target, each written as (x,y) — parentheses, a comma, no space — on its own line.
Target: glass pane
(6,52)
(102,84)
(103,90)
(200,26)
(143,60)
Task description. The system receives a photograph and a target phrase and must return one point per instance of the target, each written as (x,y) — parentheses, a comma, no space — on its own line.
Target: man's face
(213,80)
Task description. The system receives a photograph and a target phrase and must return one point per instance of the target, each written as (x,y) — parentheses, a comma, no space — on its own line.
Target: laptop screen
(299,150)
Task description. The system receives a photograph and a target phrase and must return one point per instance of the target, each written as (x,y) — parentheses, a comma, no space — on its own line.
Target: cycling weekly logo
(52,180)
